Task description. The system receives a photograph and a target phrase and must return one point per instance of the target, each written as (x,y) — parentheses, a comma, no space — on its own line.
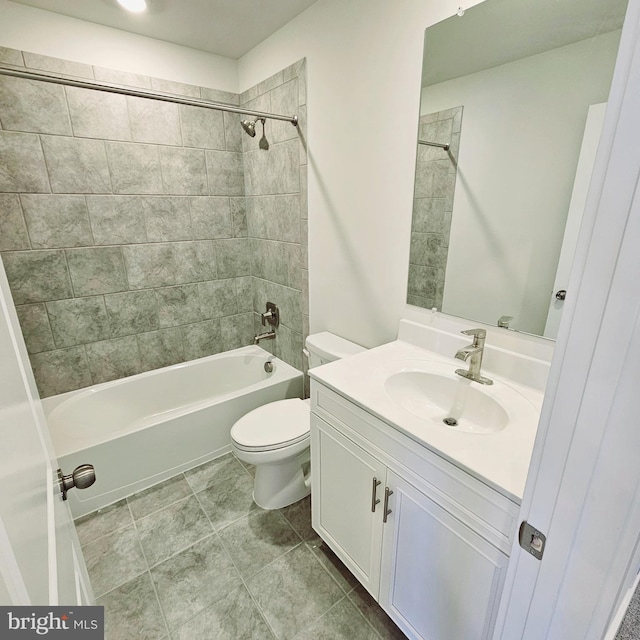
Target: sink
(434,393)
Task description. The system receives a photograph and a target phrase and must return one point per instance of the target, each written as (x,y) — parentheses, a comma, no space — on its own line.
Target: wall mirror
(512,102)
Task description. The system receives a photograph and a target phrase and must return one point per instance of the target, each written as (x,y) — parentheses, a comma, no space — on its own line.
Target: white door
(40,558)
(590,140)
(583,489)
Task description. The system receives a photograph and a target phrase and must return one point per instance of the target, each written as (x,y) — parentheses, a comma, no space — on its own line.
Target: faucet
(271,315)
(267,335)
(473,353)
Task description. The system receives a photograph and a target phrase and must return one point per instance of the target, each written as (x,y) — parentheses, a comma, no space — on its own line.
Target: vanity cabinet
(428,541)
(439,578)
(349,481)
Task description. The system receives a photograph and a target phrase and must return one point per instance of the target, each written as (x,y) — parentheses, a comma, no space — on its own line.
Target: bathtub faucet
(267,335)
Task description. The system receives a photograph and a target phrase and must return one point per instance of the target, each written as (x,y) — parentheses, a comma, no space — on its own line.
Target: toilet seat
(273,426)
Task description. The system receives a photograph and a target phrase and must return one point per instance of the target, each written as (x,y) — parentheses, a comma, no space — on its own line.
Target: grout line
(304,545)
(146,570)
(67,110)
(152,487)
(216,533)
(46,164)
(18,196)
(177,553)
(104,535)
(364,617)
(246,587)
(153,584)
(243,580)
(317,620)
(317,559)
(149,567)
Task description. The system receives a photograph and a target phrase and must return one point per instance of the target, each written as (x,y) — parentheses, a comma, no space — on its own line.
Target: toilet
(275,437)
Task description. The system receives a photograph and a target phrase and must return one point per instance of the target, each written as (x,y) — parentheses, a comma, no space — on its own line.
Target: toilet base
(278,485)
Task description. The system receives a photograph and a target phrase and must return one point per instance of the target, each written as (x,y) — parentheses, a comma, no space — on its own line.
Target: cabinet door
(440,580)
(343,475)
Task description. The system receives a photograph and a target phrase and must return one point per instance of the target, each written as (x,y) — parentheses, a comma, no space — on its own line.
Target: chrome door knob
(561,295)
(81,478)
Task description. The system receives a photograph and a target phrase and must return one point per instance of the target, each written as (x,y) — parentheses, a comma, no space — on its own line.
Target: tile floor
(630,626)
(194,558)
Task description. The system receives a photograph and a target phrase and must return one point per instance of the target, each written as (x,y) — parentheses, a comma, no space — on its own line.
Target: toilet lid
(273,425)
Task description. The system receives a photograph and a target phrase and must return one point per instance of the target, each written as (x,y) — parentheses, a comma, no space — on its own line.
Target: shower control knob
(82,477)
(561,295)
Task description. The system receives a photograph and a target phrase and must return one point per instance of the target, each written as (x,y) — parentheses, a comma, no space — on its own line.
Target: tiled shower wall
(276,209)
(436,171)
(123,225)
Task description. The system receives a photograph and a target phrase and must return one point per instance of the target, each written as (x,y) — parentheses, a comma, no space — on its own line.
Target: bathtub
(140,430)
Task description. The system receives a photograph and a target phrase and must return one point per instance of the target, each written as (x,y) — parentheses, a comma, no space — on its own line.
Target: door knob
(561,295)
(81,478)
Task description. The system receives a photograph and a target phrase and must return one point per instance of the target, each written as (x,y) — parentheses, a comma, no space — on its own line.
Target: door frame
(583,489)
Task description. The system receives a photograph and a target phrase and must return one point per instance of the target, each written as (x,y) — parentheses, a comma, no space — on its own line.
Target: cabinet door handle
(374,502)
(386,511)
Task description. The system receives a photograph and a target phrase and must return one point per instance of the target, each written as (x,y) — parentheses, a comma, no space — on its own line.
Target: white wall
(364,63)
(52,34)
(522,128)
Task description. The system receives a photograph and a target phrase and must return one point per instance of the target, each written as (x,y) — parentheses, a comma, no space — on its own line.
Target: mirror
(509,88)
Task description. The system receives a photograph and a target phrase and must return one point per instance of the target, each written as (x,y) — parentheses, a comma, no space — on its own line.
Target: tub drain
(450,422)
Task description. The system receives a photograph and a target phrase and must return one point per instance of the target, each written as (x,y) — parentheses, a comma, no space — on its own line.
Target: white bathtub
(141,430)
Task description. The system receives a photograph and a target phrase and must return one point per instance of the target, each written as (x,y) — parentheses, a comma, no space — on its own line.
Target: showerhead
(250,126)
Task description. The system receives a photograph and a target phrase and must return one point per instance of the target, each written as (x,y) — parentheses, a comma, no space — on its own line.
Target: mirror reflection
(512,105)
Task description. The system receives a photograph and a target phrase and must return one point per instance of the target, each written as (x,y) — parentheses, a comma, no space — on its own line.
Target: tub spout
(267,335)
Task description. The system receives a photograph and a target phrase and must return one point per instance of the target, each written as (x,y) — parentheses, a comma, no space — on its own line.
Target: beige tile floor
(194,558)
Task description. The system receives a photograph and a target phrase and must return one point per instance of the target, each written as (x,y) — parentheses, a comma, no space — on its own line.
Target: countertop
(500,459)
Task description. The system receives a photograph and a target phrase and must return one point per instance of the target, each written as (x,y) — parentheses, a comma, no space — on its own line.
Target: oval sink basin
(456,403)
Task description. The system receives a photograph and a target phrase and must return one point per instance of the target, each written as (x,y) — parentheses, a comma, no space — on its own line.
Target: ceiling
(499,31)
(228,28)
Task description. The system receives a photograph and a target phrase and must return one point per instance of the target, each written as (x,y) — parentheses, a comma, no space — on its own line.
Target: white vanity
(423,513)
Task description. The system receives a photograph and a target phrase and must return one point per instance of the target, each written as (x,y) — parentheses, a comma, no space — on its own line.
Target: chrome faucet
(267,335)
(473,353)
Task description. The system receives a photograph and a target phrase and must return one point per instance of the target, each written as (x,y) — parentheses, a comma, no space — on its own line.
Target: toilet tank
(326,347)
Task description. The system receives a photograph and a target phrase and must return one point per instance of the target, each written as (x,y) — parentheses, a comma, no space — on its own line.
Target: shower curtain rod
(434,144)
(142,93)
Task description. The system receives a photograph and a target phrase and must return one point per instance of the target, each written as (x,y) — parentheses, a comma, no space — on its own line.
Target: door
(40,558)
(347,486)
(440,580)
(583,486)
(590,140)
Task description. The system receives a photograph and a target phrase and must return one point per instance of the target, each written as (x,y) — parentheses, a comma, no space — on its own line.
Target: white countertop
(500,459)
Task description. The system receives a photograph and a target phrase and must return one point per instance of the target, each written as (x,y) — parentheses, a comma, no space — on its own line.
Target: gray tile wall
(276,210)
(123,223)
(435,185)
